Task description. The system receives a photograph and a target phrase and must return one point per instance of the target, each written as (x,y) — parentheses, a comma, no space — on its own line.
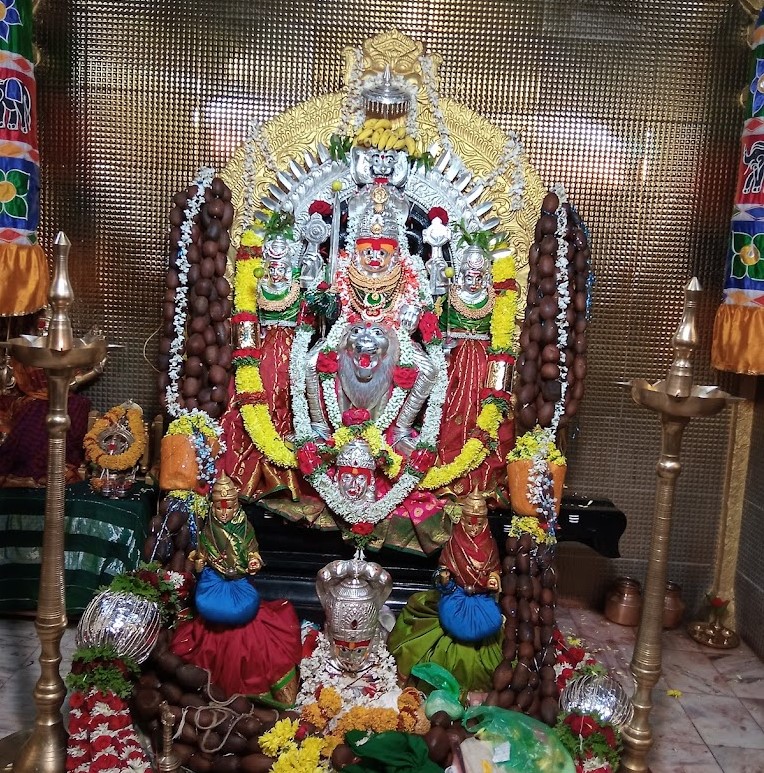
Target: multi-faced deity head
(225,499)
(355,472)
(367,346)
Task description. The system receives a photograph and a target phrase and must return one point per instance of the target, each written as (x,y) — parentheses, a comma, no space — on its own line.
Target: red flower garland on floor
(102,737)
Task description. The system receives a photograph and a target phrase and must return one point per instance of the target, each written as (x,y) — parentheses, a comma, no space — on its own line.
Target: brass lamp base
(9,748)
(713,635)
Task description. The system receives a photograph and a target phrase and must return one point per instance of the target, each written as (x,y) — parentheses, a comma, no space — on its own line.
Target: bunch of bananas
(379,133)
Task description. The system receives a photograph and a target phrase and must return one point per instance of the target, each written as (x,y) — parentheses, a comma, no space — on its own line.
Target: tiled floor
(715,724)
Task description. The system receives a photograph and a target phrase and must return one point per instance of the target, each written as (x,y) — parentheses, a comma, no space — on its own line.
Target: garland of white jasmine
(172,392)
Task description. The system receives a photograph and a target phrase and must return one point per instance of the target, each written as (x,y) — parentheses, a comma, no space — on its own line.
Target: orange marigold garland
(132,418)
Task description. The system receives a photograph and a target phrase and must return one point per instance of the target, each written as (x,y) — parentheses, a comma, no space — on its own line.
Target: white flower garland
(430,85)
(351,512)
(352,113)
(376,686)
(257,136)
(563,294)
(298,367)
(172,392)
(511,158)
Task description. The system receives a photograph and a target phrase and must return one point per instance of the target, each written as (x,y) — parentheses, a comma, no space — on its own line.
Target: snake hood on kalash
(351,280)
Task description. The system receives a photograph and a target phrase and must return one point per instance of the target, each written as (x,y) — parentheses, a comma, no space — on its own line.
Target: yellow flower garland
(245,284)
(257,420)
(134,452)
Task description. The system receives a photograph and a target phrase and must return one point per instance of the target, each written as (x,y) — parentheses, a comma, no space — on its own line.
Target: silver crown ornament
(352,593)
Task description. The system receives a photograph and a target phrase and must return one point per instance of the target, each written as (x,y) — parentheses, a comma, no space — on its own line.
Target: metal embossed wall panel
(634,106)
(749,583)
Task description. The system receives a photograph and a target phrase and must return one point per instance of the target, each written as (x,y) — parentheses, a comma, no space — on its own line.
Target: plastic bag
(521,744)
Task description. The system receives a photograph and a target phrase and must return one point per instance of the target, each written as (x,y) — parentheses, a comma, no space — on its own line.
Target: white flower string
(172,392)
(563,294)
(261,142)
(430,85)
(298,367)
(250,200)
(352,113)
(511,158)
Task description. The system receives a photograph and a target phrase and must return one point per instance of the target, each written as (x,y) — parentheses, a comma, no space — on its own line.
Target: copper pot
(623,603)
(673,606)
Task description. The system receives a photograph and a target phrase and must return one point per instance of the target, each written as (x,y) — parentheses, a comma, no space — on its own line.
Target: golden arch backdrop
(633,106)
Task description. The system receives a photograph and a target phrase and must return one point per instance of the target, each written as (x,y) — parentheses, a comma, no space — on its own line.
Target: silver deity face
(382,162)
(278,272)
(375,256)
(367,346)
(353,483)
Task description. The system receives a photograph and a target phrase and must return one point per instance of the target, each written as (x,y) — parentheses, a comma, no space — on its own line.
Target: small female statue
(458,625)
(248,646)
(278,302)
(466,319)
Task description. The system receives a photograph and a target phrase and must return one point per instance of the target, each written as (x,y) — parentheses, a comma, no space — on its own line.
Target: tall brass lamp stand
(60,354)
(677,401)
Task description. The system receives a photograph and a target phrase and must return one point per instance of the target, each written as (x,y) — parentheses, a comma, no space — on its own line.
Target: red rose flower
(581,724)
(421,459)
(320,207)
(254,352)
(355,416)
(105,762)
(327,362)
(323,286)
(438,212)
(362,529)
(405,377)
(76,699)
(609,735)
(306,316)
(718,602)
(576,654)
(308,458)
(429,327)
(565,674)
(119,721)
(499,394)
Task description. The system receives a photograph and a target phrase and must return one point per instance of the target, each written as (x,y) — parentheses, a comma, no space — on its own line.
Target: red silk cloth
(467,372)
(249,659)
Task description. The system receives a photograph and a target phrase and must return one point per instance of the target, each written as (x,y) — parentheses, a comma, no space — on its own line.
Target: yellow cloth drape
(24,279)
(738,343)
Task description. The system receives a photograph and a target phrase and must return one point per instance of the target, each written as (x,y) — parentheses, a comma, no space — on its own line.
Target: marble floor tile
(693,674)
(723,721)
(743,671)
(682,758)
(755,708)
(670,723)
(734,760)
